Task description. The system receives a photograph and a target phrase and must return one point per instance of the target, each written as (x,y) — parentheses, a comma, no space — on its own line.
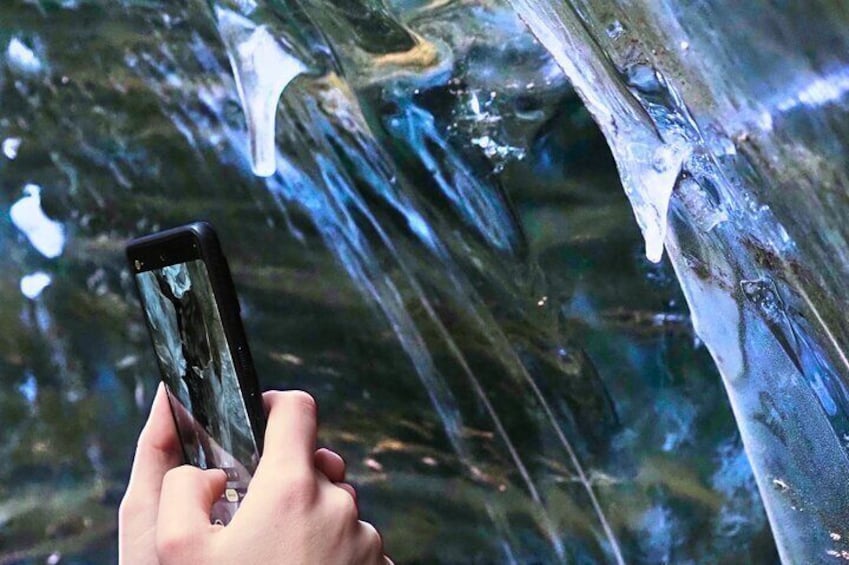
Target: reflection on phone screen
(200,376)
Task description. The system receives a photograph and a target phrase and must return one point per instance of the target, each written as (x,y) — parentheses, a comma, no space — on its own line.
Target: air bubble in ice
(645,79)
(705,212)
(664,157)
(615,29)
(763,294)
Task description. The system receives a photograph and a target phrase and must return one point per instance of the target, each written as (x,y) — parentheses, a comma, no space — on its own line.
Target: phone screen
(200,375)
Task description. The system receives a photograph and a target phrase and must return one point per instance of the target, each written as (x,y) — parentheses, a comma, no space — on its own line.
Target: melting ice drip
(649,160)
(263,67)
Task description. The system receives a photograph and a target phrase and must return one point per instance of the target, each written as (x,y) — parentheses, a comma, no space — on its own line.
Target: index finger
(157,451)
(290,433)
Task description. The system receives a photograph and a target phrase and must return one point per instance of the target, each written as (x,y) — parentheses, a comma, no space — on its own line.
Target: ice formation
(45,234)
(263,67)
(32,285)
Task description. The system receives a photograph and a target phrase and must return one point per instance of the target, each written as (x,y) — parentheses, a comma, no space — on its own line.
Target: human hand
(296,513)
(157,452)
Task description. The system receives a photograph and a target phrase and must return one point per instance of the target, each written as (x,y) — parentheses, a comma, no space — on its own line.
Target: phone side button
(244,358)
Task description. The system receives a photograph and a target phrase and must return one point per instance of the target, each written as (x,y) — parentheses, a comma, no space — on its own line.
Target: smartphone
(195,325)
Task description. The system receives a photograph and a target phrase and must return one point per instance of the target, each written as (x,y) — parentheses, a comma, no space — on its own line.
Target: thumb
(188,494)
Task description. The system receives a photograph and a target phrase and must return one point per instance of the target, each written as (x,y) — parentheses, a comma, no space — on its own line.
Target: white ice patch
(246,7)
(46,235)
(32,285)
(29,389)
(263,67)
(10,147)
(22,59)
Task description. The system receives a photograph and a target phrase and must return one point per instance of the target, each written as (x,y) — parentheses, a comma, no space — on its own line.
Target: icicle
(648,165)
(263,67)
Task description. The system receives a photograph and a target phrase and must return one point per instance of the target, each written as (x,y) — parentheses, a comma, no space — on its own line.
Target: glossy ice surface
(751,101)
(441,251)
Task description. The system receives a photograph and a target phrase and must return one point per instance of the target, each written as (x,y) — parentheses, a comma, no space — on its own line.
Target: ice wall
(716,165)
(442,252)
(747,105)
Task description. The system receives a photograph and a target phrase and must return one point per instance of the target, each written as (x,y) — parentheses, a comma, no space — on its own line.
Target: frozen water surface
(764,285)
(444,246)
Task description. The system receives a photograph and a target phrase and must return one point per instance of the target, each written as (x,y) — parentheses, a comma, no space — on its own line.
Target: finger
(157,451)
(188,494)
(371,543)
(349,489)
(331,464)
(290,434)
(341,504)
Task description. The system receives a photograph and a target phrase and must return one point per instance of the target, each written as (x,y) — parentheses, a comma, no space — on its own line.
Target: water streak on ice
(46,235)
(817,92)
(263,67)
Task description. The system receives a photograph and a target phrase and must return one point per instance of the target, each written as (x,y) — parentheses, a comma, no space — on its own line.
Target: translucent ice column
(734,116)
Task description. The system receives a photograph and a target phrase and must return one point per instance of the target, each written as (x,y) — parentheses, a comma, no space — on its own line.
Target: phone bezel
(189,242)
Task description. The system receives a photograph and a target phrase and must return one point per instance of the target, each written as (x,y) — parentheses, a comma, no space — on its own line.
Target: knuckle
(173,545)
(299,489)
(325,453)
(373,537)
(272,397)
(180,475)
(128,508)
(371,544)
(346,507)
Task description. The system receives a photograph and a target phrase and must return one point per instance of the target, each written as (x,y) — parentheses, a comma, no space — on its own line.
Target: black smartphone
(194,319)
